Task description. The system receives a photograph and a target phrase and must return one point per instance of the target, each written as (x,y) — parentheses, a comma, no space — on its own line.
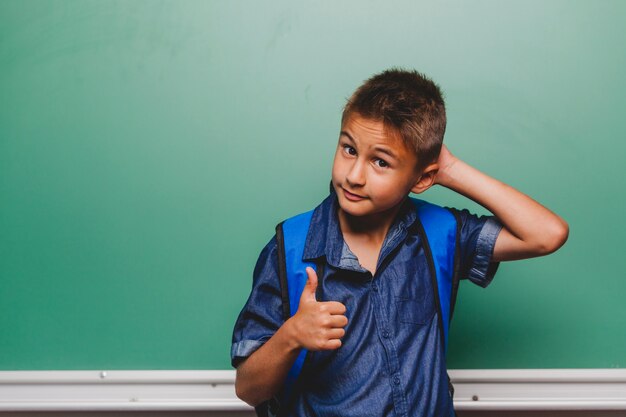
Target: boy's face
(374,171)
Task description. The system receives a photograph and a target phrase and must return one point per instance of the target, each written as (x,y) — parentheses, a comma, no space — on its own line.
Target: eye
(349,149)
(382,164)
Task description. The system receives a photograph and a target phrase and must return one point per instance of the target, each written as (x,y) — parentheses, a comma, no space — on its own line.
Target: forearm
(541,229)
(262,374)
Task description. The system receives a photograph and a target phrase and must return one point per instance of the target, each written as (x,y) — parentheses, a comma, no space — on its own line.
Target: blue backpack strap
(440,227)
(291,238)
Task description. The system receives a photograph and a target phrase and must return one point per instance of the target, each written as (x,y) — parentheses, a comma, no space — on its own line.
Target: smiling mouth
(351,195)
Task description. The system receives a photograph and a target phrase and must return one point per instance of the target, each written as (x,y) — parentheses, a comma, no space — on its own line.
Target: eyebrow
(377,147)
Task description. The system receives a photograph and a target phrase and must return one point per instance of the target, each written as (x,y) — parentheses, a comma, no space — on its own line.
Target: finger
(335,334)
(334,307)
(333,344)
(338,321)
(308,293)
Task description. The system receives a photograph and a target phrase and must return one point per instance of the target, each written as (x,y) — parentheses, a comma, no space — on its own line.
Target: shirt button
(396,380)
(385,334)
(375,287)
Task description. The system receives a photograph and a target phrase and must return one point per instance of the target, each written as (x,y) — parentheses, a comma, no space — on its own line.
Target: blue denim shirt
(392,359)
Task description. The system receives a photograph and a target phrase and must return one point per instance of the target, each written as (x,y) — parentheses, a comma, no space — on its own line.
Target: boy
(369,320)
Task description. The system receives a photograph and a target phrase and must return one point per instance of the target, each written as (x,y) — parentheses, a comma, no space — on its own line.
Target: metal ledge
(489,390)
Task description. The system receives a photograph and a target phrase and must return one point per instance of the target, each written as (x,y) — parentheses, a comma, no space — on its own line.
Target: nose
(356,175)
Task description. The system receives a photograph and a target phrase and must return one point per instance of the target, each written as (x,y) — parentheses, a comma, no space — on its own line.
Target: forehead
(369,129)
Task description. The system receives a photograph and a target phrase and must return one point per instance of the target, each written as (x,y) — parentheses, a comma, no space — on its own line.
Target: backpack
(438,229)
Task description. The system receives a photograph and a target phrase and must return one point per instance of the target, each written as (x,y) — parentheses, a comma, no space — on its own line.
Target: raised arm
(530,229)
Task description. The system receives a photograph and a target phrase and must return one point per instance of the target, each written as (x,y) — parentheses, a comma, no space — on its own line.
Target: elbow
(245,393)
(554,237)
(245,396)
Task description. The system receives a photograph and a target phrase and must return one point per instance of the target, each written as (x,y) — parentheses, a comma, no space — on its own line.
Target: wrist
(447,173)
(291,334)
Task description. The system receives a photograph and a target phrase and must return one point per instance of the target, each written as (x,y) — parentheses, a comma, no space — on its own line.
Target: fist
(318,325)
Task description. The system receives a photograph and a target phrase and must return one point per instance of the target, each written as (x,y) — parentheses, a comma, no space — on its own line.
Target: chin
(352,208)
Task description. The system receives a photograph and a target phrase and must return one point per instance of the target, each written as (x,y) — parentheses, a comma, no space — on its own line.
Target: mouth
(351,196)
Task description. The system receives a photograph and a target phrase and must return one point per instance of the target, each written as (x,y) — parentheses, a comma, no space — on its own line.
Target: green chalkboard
(148,149)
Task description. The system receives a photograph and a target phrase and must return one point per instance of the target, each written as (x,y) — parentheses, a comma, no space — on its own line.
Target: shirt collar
(325,238)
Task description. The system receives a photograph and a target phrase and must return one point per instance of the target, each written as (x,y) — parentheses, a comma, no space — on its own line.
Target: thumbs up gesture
(318,325)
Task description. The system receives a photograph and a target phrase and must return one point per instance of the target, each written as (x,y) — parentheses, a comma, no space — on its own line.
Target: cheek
(387,186)
(381,186)
(336,171)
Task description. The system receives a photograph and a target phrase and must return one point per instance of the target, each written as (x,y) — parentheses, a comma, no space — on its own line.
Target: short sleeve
(262,315)
(477,238)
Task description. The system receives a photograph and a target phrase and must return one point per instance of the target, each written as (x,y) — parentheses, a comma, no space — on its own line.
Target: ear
(426,180)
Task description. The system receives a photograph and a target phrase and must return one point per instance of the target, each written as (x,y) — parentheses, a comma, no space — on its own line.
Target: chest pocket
(413,311)
(413,292)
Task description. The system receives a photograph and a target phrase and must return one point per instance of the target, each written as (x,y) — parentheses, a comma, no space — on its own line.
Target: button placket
(389,347)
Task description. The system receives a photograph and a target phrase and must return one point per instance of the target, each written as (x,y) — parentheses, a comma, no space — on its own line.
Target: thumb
(311,285)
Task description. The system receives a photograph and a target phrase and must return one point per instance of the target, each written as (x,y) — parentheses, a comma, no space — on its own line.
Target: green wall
(148,149)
